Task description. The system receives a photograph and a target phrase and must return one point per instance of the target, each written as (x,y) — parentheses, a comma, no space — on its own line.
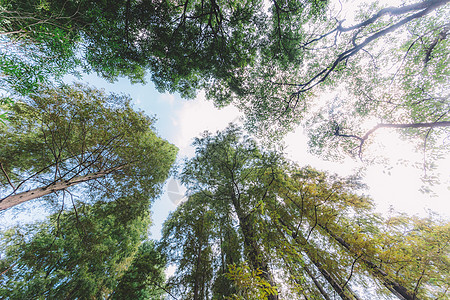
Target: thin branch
(351,272)
(7,177)
(388,125)
(9,268)
(315,222)
(418,284)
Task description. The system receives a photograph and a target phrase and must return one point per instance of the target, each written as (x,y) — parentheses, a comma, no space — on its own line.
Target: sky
(179,121)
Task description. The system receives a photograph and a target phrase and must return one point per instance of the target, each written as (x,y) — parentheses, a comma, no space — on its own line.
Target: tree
(346,82)
(328,208)
(87,253)
(313,230)
(183,44)
(75,136)
(238,178)
(186,242)
(144,278)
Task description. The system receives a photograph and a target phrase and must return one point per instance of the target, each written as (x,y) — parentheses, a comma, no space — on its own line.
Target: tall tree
(324,212)
(238,176)
(75,136)
(388,70)
(187,236)
(310,229)
(87,253)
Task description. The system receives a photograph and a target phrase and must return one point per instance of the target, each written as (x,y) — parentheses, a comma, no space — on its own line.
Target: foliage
(79,253)
(343,82)
(273,65)
(315,231)
(144,278)
(332,216)
(184,44)
(186,242)
(250,213)
(5,102)
(76,136)
(250,283)
(71,135)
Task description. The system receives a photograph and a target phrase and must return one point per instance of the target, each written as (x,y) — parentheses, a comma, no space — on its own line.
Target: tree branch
(7,177)
(9,268)
(351,271)
(388,125)
(425,8)
(393,11)
(14,200)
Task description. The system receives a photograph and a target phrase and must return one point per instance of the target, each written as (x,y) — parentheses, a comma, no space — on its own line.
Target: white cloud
(170,270)
(169,98)
(196,116)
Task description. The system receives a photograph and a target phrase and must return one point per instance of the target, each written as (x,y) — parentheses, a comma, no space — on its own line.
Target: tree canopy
(388,69)
(183,44)
(78,136)
(257,227)
(87,253)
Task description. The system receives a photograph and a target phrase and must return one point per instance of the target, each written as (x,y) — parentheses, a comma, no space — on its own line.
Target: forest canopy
(272,60)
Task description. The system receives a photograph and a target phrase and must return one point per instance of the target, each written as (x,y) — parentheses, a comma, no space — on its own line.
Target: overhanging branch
(363,139)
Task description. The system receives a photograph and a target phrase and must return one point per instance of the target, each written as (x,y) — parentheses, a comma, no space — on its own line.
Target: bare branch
(351,271)
(383,125)
(395,11)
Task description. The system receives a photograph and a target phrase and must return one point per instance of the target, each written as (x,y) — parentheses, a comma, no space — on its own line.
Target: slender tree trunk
(198,265)
(343,291)
(252,250)
(397,289)
(316,283)
(19,198)
(254,253)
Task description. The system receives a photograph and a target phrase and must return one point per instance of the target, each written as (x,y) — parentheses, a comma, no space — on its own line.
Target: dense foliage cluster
(258,227)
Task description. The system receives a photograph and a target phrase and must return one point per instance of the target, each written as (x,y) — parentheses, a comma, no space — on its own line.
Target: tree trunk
(252,250)
(316,283)
(342,290)
(19,198)
(397,289)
